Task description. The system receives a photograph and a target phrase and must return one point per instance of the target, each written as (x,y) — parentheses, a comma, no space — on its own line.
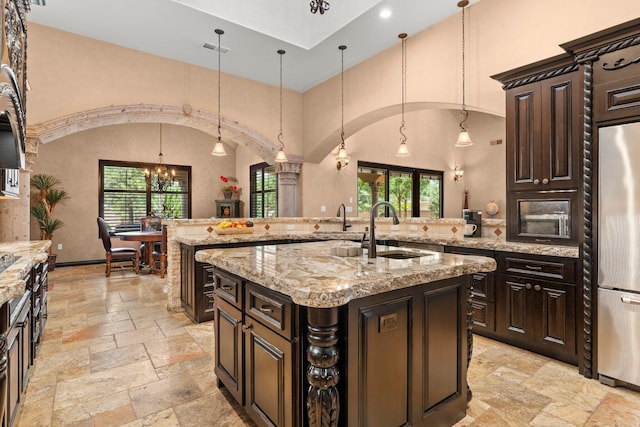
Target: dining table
(148,239)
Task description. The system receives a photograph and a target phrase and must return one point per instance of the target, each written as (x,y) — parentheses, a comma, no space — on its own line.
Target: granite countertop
(27,254)
(311,276)
(486,243)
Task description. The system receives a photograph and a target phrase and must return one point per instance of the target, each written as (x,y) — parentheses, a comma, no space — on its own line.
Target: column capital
(289,167)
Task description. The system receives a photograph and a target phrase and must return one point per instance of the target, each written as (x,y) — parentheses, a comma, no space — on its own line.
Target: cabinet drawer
(228,287)
(270,308)
(483,286)
(209,278)
(560,270)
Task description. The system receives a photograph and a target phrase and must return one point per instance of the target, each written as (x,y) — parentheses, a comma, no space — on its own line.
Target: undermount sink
(401,254)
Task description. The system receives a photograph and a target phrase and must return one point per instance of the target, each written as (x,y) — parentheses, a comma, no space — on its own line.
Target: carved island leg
(4,323)
(323,403)
(469,334)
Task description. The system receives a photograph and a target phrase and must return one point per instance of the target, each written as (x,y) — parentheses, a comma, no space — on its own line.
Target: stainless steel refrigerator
(619,254)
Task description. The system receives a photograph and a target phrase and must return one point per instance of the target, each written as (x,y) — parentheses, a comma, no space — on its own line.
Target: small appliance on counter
(474,223)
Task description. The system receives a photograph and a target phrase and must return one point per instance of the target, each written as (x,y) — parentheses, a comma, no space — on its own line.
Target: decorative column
(469,289)
(287,187)
(323,401)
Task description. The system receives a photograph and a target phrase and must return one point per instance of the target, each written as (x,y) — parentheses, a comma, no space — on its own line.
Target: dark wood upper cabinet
(543,134)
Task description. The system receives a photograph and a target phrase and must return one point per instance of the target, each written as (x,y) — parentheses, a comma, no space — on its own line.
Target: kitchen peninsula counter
(307,337)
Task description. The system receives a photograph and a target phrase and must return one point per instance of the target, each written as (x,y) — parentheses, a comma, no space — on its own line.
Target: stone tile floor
(113,355)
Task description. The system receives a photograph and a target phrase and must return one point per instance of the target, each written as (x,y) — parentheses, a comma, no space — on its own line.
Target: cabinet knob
(528,286)
(247,327)
(545,181)
(536,181)
(537,287)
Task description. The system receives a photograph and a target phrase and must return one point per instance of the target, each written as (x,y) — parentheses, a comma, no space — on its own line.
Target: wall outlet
(395,227)
(413,227)
(350,199)
(59,246)
(348,208)
(323,208)
(291,227)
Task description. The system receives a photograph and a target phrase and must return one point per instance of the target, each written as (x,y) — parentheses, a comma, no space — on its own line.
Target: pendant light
(464,140)
(281,157)
(218,149)
(342,159)
(403,151)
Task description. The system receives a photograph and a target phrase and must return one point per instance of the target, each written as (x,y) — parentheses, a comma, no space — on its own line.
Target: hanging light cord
(465,114)
(160,154)
(219,32)
(281,52)
(342,48)
(403,36)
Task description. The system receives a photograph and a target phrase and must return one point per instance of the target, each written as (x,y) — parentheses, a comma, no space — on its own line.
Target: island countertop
(27,254)
(313,277)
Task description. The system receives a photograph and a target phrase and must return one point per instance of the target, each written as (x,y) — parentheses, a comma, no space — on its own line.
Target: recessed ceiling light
(385,13)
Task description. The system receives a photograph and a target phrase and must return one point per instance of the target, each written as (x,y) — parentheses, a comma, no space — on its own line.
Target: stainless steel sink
(399,254)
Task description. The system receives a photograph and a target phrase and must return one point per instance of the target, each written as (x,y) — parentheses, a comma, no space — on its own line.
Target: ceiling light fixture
(218,149)
(319,6)
(164,176)
(281,156)
(385,13)
(403,151)
(464,140)
(342,159)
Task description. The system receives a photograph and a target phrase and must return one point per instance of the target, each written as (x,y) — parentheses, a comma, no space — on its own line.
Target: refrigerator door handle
(629,300)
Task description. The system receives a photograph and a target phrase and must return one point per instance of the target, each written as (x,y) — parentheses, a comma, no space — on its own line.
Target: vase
(227,194)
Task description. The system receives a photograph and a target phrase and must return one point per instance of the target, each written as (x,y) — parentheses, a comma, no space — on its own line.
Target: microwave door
(619,207)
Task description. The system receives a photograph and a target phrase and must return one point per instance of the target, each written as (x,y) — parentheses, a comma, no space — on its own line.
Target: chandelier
(164,176)
(342,159)
(464,140)
(319,6)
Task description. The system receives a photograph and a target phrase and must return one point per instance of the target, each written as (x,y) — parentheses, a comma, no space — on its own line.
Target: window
(126,195)
(413,192)
(264,191)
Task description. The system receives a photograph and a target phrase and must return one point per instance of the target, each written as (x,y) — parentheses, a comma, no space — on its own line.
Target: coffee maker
(473,217)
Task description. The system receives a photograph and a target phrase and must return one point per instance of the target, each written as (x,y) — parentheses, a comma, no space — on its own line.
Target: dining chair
(117,255)
(160,256)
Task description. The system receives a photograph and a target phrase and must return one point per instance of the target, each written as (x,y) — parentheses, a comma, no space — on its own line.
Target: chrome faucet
(344,217)
(371,253)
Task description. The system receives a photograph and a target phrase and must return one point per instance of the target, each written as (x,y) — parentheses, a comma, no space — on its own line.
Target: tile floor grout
(158,370)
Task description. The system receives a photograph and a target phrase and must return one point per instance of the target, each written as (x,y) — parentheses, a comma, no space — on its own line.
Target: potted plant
(228,190)
(49,195)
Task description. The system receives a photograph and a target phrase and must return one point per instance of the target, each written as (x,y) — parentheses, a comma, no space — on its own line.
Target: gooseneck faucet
(344,217)
(371,253)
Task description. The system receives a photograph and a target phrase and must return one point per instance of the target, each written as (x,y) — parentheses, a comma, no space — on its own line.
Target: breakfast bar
(343,340)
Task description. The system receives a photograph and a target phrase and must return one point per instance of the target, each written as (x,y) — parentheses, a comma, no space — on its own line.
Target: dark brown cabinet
(196,285)
(257,349)
(617,85)
(537,304)
(544,150)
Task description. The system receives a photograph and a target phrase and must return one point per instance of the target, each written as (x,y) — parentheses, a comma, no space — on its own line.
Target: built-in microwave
(544,217)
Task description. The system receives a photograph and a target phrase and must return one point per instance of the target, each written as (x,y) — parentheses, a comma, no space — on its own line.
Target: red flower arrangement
(232,188)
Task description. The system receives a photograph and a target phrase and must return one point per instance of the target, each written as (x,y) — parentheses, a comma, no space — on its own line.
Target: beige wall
(70,74)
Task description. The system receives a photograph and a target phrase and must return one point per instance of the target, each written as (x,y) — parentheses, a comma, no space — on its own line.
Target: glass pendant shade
(218,149)
(464,140)
(281,157)
(403,151)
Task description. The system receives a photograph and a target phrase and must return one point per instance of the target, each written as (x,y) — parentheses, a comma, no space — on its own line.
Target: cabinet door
(204,291)
(268,358)
(228,352)
(523,136)
(555,312)
(514,318)
(187,280)
(13,375)
(560,132)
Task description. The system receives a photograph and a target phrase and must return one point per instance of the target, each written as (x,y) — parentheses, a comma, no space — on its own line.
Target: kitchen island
(306,336)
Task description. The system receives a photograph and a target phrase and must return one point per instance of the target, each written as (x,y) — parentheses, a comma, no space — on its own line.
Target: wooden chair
(160,256)
(117,255)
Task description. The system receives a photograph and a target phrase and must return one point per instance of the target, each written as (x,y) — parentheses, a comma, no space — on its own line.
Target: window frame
(415,184)
(252,189)
(148,190)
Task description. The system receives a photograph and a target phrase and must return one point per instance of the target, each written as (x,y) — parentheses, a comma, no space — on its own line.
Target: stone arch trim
(232,131)
(331,141)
